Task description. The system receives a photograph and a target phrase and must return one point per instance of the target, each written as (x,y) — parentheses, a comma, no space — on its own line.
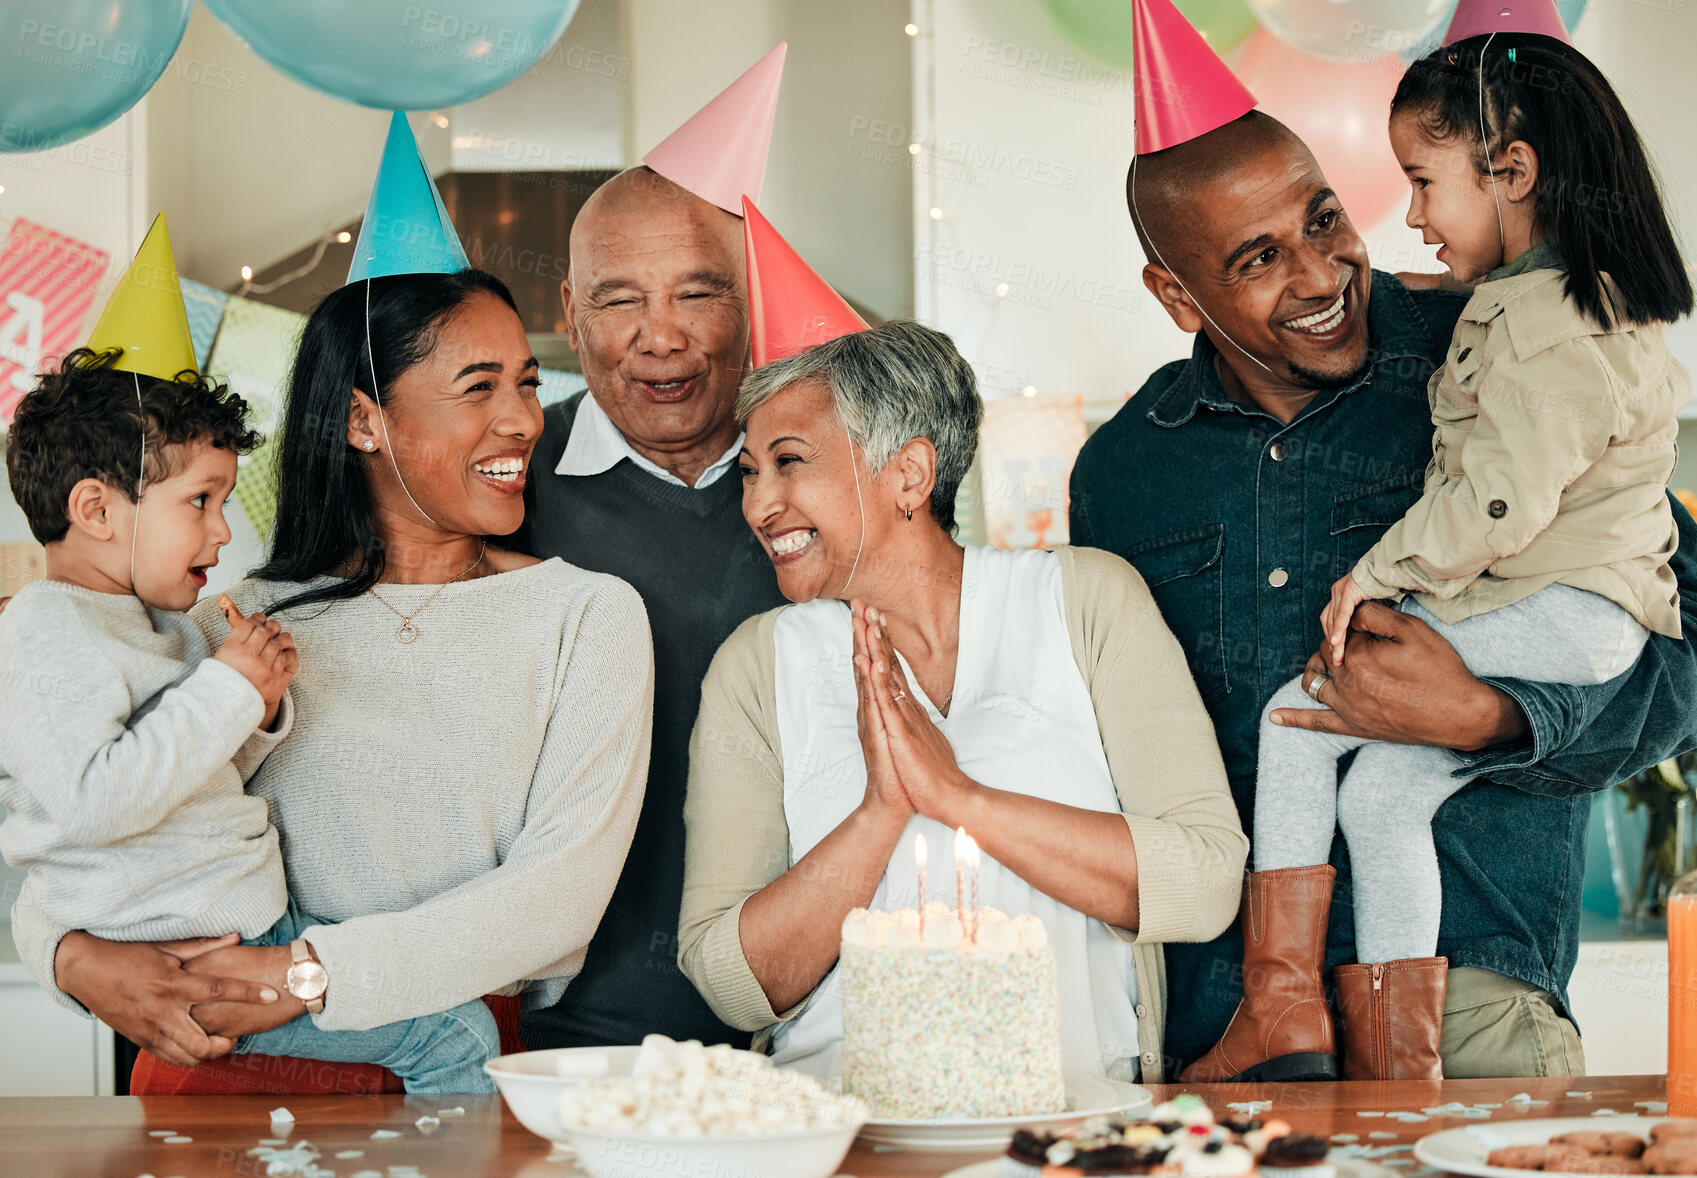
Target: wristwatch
(307,979)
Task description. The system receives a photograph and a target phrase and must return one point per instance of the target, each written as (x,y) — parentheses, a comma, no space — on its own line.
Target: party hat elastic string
(141,478)
(1485,142)
(382,415)
(854,468)
(1197,303)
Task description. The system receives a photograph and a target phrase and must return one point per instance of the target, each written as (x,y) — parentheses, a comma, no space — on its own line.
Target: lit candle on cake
(919,863)
(972,866)
(960,875)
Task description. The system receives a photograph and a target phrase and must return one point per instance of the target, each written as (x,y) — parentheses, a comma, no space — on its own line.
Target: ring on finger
(1315,684)
(900,695)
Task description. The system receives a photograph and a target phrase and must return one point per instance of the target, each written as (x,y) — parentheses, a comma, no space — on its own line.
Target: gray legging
(1386,802)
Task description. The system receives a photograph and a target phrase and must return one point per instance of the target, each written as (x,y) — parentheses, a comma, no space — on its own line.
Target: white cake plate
(1464,1150)
(1344,1168)
(1087,1096)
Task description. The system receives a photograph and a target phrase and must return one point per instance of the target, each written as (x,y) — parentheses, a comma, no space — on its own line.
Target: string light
(1003,290)
(1029,390)
(440,119)
(936,213)
(344,237)
(247,273)
(911,29)
(912,149)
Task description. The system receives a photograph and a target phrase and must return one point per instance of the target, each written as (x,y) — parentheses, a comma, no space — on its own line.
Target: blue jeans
(436,1053)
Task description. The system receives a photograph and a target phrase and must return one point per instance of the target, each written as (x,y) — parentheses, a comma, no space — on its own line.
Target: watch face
(307,980)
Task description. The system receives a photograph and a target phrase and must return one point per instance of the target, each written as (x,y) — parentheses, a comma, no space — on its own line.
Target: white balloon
(1351,30)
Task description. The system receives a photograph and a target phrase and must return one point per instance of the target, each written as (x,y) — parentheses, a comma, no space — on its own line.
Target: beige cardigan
(1160,748)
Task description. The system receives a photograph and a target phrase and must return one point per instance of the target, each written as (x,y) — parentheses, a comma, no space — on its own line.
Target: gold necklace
(408,633)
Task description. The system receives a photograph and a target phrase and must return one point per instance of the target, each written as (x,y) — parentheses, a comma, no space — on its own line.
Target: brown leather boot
(1283,1027)
(1391,1016)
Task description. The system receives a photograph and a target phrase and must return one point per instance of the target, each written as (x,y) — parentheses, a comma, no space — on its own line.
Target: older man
(637,478)
(1241,483)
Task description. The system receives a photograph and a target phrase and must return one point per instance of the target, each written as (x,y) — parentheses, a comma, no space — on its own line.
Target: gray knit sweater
(461,805)
(123,749)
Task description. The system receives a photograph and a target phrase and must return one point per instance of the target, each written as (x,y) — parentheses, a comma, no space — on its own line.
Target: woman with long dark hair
(471,725)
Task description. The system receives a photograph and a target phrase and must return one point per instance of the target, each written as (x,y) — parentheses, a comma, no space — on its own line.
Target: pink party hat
(720,153)
(1183,88)
(790,307)
(1474,18)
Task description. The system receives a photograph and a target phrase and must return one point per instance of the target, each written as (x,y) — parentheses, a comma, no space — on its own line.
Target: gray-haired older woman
(1034,698)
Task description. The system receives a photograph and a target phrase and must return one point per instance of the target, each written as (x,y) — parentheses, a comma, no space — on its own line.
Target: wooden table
(108,1136)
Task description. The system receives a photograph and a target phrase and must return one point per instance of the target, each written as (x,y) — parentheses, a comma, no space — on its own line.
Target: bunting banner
(47,283)
(205,307)
(1026,453)
(253,351)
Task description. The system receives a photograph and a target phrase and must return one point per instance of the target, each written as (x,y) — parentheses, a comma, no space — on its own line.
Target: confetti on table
(1250,1108)
(384,1134)
(1398,1162)
(178,1140)
(161,1132)
(1476,1114)
(1382,1135)
(1603,1112)
(450,1112)
(350,1153)
(273,1141)
(428,1124)
(1343,1138)
(1365,1114)
(367,1174)
(1577,1095)
(283,1115)
(1409,1118)
(300,1159)
(1653,1107)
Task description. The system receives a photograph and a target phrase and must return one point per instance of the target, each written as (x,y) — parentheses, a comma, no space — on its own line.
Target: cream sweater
(1160,746)
(461,806)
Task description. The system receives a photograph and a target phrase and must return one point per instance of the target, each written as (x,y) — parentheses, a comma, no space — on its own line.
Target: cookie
(1672,1130)
(1619,1145)
(1672,1155)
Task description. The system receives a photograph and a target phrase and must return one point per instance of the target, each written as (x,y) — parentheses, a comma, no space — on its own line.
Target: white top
(462,805)
(596,445)
(123,749)
(1021,720)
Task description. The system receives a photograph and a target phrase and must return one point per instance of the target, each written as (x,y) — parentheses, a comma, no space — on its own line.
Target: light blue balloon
(69,67)
(399,54)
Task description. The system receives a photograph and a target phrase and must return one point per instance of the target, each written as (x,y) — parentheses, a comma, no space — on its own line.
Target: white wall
(1031,187)
(846,69)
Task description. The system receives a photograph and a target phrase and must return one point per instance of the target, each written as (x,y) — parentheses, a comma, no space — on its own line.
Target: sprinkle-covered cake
(942,1020)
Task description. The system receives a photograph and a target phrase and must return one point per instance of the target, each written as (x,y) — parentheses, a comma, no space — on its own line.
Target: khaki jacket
(1554,443)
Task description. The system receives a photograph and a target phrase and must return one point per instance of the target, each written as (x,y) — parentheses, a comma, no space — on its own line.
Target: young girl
(1539,548)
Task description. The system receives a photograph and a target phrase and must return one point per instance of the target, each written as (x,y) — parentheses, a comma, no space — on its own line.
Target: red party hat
(1475,18)
(1183,88)
(790,307)
(720,153)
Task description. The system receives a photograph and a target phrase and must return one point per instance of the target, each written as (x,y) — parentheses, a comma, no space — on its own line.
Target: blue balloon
(69,67)
(399,54)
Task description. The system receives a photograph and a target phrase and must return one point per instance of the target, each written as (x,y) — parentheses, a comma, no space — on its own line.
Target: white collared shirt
(596,445)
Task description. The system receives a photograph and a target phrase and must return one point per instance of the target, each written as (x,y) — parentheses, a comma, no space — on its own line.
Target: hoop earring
(910,515)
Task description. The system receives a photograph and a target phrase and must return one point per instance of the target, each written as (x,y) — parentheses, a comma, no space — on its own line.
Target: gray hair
(890,384)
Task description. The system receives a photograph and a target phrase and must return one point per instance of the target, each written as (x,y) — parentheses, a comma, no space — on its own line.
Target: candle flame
(919,849)
(960,845)
(972,852)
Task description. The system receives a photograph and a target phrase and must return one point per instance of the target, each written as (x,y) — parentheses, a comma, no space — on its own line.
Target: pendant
(408,633)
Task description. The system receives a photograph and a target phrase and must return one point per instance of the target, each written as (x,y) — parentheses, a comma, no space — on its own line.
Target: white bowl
(805,1153)
(531,1083)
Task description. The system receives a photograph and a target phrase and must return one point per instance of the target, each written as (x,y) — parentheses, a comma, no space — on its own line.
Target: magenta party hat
(1182,87)
(1474,18)
(720,153)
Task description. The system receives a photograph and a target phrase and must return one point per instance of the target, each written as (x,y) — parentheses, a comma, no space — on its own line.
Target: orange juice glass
(1682,997)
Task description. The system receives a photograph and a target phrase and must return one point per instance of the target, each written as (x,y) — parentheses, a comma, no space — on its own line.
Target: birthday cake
(942,1019)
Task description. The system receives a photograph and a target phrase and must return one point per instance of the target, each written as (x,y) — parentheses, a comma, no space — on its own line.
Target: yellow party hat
(145,317)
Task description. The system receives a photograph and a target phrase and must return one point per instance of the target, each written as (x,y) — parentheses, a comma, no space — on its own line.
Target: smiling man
(1242,482)
(636,477)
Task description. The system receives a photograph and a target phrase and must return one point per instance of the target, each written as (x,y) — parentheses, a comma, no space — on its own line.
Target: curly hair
(84,422)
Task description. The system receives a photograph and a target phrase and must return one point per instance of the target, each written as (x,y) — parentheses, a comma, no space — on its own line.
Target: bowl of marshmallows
(669,1108)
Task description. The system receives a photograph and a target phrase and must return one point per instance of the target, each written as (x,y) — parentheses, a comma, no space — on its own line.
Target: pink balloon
(1340,109)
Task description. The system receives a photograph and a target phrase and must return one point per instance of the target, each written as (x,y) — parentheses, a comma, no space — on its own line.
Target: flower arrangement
(1664,793)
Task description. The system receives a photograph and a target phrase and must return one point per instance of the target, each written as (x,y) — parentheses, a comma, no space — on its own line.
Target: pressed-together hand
(140,990)
(883,785)
(1404,684)
(265,965)
(1334,619)
(263,651)
(923,758)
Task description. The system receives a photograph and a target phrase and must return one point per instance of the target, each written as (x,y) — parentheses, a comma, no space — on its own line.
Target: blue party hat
(406,229)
